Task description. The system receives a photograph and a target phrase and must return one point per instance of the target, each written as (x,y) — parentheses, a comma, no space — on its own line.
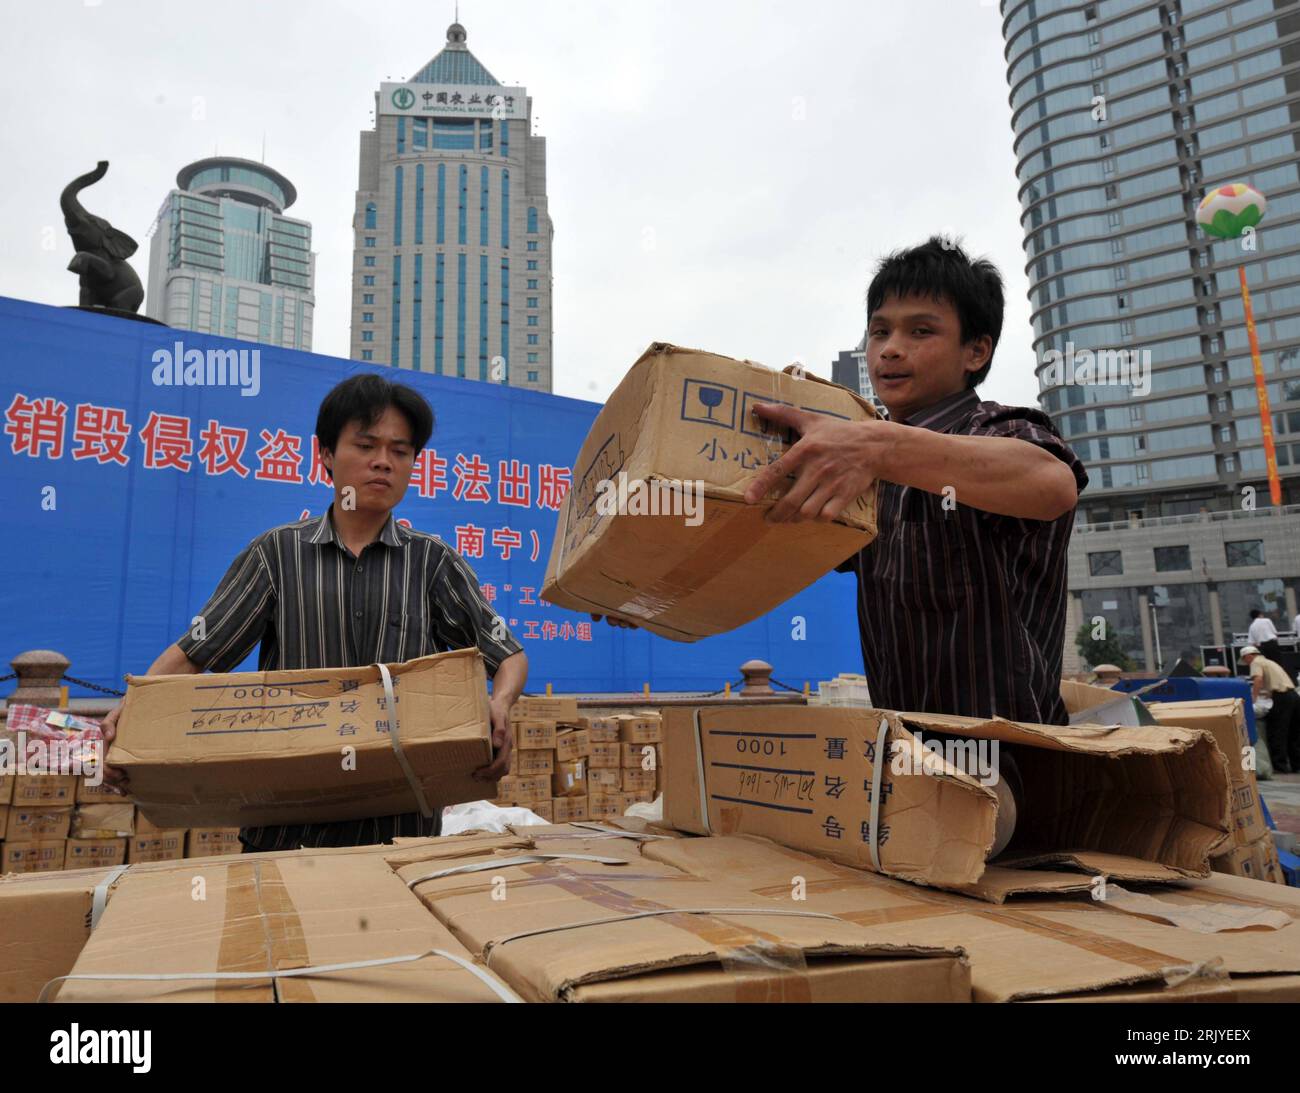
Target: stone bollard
(757,678)
(39,674)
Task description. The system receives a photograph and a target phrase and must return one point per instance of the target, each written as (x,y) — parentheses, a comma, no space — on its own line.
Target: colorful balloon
(1227,211)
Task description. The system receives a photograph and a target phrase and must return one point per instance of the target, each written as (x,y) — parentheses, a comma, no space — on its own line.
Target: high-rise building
(849,369)
(224,259)
(1125,112)
(452,261)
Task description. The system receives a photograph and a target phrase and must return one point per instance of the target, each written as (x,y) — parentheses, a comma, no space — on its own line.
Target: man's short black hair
(1254,614)
(364,398)
(940,269)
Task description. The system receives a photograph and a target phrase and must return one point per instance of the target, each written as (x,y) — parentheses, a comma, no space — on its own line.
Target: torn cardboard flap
(253,748)
(581,930)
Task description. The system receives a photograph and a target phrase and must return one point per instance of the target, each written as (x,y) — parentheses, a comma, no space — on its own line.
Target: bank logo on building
(403,98)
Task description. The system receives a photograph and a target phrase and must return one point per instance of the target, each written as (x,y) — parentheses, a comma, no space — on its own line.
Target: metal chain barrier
(90,686)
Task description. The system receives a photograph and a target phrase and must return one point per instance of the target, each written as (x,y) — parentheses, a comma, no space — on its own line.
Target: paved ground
(1282,795)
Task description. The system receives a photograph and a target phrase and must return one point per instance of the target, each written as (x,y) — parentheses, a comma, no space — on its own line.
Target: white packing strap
(492,946)
(699,773)
(877,775)
(498,988)
(605,829)
(416,788)
(99,900)
(1178,974)
(506,863)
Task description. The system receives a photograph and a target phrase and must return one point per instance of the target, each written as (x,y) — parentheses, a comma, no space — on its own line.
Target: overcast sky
(722,174)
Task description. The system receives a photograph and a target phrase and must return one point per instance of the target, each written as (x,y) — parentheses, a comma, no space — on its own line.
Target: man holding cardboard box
(353,587)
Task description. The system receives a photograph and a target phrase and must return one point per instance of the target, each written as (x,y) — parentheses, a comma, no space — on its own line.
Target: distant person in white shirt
(1263,634)
(1282,725)
(1295,625)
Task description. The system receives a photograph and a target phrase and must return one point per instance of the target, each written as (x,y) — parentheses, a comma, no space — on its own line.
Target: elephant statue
(107,280)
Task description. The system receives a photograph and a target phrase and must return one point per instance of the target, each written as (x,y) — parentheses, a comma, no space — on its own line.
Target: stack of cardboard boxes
(567,767)
(54,822)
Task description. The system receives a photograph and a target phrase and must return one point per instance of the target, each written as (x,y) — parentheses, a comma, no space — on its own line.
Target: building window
(1225,434)
(368,279)
(371,214)
(370,240)
(367,354)
(367,316)
(368,298)
(532,282)
(532,244)
(532,376)
(532,301)
(532,221)
(1245,552)
(370,259)
(532,358)
(532,320)
(1105,563)
(1229,463)
(367,335)
(532,263)
(1170,558)
(532,339)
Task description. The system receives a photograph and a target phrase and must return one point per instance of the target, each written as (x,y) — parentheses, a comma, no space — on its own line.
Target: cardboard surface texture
(681,417)
(254,748)
(103,821)
(1139,804)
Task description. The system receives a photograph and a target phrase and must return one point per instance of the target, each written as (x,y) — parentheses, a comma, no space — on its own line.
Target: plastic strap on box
(1178,974)
(506,863)
(99,899)
(877,775)
(497,987)
(402,761)
(605,829)
(699,773)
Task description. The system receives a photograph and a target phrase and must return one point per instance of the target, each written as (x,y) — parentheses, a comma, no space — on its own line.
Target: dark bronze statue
(107,280)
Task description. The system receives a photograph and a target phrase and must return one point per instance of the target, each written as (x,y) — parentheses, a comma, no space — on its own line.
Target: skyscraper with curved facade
(452,260)
(1125,112)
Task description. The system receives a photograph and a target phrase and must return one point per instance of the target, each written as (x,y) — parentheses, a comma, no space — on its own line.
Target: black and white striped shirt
(962,611)
(312,603)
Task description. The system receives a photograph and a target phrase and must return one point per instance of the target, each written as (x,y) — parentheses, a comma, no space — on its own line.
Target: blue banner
(127,494)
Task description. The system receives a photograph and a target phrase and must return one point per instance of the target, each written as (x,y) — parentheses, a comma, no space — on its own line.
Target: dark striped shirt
(312,603)
(962,611)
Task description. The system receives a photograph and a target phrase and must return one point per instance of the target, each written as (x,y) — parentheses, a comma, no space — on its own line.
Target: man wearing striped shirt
(353,587)
(962,595)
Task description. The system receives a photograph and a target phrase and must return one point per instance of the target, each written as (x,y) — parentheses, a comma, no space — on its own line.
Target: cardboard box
(159,846)
(545,708)
(211,842)
(1225,720)
(32,857)
(524,789)
(565,810)
(639,781)
(253,748)
(33,825)
(103,821)
(533,735)
(640,729)
(525,762)
(1066,947)
(543,809)
(100,794)
(657,436)
(1143,804)
(639,756)
(4,820)
(603,730)
(44,790)
(570,779)
(292,910)
(607,806)
(605,756)
(1257,860)
(572,744)
(94,853)
(6,788)
(604,779)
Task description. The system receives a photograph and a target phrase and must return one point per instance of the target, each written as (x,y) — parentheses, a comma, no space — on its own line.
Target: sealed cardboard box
(575,931)
(103,821)
(605,806)
(571,744)
(525,762)
(156,846)
(640,729)
(602,730)
(4,821)
(524,789)
(30,825)
(94,853)
(1257,860)
(544,809)
(605,756)
(565,810)
(254,748)
(299,910)
(100,794)
(532,735)
(636,780)
(6,788)
(32,857)
(655,527)
(1225,720)
(209,842)
(604,779)
(44,790)
(638,756)
(545,708)
(1218,939)
(570,779)
(1139,804)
